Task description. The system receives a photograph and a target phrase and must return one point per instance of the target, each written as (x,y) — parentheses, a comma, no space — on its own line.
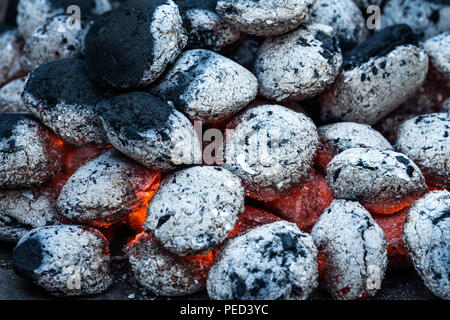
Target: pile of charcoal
(258,149)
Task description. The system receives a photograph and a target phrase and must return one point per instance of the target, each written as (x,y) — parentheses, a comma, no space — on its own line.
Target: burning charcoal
(427,238)
(165,273)
(10,97)
(392,226)
(64,260)
(106,190)
(346,19)
(298,65)
(22,210)
(150,131)
(383,181)
(54,40)
(265,18)
(29,152)
(33,13)
(132,45)
(246,52)
(271,148)
(195,209)
(192,85)
(274,261)
(352,251)
(60,94)
(427,17)
(11,51)
(337,137)
(306,203)
(252,218)
(439,52)
(378,75)
(425,139)
(205,28)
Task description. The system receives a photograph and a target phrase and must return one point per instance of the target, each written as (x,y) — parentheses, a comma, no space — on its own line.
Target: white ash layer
(11,45)
(11,97)
(298,65)
(439,53)
(426,235)
(64,260)
(195,209)
(352,249)
(273,261)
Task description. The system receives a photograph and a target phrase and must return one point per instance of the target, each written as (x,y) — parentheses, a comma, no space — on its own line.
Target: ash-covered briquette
(207,86)
(439,53)
(427,238)
(426,140)
(29,152)
(337,137)
(204,27)
(164,273)
(11,99)
(11,46)
(378,75)
(273,261)
(346,19)
(151,132)
(64,260)
(271,148)
(195,209)
(426,17)
(265,18)
(61,95)
(33,13)
(132,45)
(298,65)
(352,251)
(383,181)
(105,190)
(246,51)
(54,40)
(25,209)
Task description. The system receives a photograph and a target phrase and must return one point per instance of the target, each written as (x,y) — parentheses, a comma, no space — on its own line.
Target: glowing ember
(390,207)
(252,218)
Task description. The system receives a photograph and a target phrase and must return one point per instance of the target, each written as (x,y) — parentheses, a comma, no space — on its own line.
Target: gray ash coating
(426,234)
(105,190)
(11,45)
(298,65)
(64,260)
(352,251)
(375,178)
(265,18)
(148,130)
(200,79)
(61,95)
(426,140)
(438,50)
(132,45)
(10,97)
(29,152)
(273,261)
(271,148)
(195,209)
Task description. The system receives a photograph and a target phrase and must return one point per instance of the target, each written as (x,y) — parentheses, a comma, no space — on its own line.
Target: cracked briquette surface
(426,235)
(439,53)
(204,27)
(344,17)
(164,273)
(33,13)
(11,52)
(375,177)
(354,262)
(267,17)
(132,45)
(298,65)
(195,209)
(10,97)
(426,140)
(271,148)
(150,131)
(64,260)
(61,95)
(273,261)
(200,79)
(105,189)
(29,152)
